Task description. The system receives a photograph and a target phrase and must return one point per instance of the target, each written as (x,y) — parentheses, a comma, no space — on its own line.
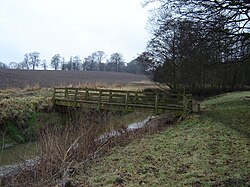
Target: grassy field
(207,149)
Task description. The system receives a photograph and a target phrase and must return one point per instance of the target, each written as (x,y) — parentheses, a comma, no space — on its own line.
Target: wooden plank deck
(122,100)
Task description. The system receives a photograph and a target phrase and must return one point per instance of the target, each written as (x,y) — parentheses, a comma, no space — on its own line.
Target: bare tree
(99,57)
(64,64)
(116,62)
(77,63)
(200,42)
(235,13)
(14,65)
(56,61)
(90,63)
(94,62)
(3,65)
(69,65)
(146,60)
(34,59)
(44,64)
(26,60)
(136,67)
(229,18)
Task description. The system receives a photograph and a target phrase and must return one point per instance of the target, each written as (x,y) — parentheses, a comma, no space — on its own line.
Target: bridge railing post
(99,100)
(86,94)
(110,96)
(156,103)
(75,98)
(126,102)
(66,93)
(136,98)
(184,102)
(54,96)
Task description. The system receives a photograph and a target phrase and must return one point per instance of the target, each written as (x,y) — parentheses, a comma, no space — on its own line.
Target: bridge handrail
(157,100)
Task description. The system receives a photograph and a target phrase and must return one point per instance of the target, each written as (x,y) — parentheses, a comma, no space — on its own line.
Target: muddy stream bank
(26,155)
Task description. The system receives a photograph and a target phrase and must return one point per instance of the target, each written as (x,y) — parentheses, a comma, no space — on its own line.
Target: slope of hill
(209,149)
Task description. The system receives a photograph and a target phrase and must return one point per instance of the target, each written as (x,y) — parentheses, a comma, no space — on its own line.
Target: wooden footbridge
(122,100)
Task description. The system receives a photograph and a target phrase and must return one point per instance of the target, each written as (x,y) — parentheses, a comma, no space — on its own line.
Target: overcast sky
(71,27)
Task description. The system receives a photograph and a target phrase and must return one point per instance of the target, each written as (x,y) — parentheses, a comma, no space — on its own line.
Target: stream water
(12,156)
(18,153)
(130,127)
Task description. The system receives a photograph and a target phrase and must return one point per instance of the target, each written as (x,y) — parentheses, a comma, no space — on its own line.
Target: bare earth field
(22,78)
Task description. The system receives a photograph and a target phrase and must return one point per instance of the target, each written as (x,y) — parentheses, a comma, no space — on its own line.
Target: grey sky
(71,27)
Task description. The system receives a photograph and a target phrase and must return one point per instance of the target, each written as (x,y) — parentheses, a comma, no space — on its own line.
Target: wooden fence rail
(125,100)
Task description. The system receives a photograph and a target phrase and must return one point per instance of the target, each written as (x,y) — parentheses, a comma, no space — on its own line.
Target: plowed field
(22,78)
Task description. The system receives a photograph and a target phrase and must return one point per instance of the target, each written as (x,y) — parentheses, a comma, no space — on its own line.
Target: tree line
(97,61)
(199,44)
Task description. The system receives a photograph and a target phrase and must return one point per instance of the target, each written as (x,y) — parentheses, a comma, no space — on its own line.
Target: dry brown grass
(207,149)
(62,148)
(67,149)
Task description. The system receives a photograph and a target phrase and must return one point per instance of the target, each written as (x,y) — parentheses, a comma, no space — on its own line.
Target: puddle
(140,124)
(18,153)
(11,157)
(130,127)
(14,168)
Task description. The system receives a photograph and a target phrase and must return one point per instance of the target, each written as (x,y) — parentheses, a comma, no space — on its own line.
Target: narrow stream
(11,157)
(18,153)
(140,124)
(130,127)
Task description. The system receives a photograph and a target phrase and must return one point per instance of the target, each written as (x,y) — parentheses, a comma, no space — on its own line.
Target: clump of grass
(28,94)
(97,85)
(19,116)
(35,87)
(133,86)
(207,150)
(35,90)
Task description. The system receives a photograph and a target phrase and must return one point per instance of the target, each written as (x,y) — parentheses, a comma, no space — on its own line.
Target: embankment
(207,149)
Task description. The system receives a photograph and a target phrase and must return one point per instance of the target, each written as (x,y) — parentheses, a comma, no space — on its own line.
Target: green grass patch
(21,114)
(212,149)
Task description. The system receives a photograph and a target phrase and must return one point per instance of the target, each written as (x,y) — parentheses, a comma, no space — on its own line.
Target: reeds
(64,149)
(61,147)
